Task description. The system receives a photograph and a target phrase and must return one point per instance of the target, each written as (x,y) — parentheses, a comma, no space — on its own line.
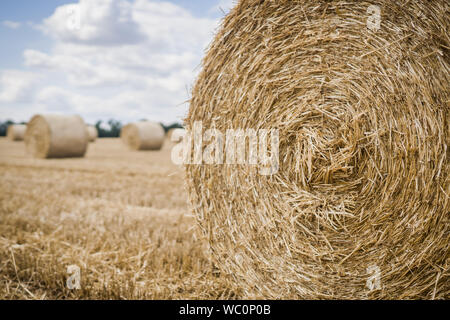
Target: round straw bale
(92,133)
(359,206)
(177,135)
(145,135)
(16,132)
(56,136)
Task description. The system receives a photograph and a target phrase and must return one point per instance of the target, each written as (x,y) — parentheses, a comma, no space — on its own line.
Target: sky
(103,59)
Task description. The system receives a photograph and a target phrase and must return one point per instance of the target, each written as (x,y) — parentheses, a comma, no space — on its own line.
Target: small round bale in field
(177,135)
(56,136)
(357,91)
(144,135)
(16,132)
(92,133)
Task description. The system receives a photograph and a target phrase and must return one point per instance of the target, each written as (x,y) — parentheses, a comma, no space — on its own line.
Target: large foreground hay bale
(16,132)
(56,136)
(92,133)
(145,135)
(359,207)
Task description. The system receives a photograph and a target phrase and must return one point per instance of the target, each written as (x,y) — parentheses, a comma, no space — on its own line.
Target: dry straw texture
(16,132)
(92,133)
(145,135)
(364,127)
(56,136)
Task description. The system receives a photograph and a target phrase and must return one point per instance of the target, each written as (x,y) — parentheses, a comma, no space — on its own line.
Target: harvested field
(120,215)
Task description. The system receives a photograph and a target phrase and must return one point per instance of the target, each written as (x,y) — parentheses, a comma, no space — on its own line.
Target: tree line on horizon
(108,129)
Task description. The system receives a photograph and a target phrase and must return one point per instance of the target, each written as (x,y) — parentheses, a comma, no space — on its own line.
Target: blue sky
(126,59)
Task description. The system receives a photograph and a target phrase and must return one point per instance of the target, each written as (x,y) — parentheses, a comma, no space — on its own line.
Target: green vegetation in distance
(110,130)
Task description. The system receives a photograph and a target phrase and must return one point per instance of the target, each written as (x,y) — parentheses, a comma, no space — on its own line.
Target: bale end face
(56,136)
(359,207)
(143,135)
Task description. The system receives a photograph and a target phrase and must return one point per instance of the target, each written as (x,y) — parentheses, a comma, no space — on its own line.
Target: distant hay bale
(145,135)
(92,133)
(177,135)
(16,132)
(359,207)
(56,136)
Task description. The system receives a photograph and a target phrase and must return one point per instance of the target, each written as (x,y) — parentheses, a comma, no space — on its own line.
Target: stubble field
(120,216)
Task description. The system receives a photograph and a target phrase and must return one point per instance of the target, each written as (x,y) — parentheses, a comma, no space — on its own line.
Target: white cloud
(16,86)
(172,28)
(57,99)
(11,24)
(104,22)
(105,126)
(127,60)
